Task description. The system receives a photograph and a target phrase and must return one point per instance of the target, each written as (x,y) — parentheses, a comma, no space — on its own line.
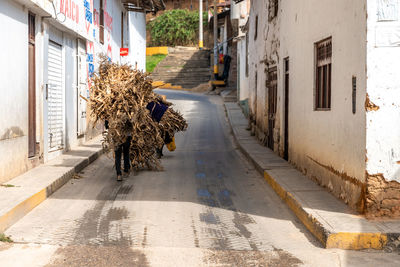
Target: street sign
(124,51)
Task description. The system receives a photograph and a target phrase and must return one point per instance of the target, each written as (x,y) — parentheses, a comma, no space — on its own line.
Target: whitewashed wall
(329,146)
(383,88)
(243,79)
(137,39)
(257,53)
(57,22)
(14,89)
(383,108)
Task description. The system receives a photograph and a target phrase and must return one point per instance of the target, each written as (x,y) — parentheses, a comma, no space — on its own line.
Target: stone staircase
(185,67)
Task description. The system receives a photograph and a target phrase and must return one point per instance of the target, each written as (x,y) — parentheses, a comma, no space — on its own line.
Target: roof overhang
(144,5)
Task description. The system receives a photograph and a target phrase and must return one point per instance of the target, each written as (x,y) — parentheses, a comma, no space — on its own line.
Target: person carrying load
(157,110)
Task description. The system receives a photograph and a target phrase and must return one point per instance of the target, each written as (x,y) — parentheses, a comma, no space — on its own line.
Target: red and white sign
(124,51)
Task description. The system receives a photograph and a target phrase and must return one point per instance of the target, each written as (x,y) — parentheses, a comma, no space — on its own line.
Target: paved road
(209,207)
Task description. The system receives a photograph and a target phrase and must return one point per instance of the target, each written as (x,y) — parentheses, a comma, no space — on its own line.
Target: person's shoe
(119,178)
(126,174)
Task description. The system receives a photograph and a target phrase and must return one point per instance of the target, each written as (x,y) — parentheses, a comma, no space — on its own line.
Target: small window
(273,9)
(323,71)
(256,28)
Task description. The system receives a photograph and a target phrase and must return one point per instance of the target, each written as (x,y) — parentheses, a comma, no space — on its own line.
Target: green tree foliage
(176,27)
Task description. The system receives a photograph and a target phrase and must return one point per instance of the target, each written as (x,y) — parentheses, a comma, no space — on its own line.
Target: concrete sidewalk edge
(341,240)
(24,207)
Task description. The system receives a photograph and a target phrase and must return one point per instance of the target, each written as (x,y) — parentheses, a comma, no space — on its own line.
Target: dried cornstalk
(120,95)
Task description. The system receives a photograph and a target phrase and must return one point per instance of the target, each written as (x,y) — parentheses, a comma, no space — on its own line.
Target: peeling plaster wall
(263,54)
(257,75)
(383,107)
(329,146)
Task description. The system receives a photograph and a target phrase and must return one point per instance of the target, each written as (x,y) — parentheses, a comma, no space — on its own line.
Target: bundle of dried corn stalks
(120,95)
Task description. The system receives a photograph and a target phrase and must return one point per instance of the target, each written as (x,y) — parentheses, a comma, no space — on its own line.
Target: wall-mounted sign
(124,51)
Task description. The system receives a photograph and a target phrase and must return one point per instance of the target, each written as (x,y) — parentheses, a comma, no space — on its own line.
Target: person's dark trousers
(124,148)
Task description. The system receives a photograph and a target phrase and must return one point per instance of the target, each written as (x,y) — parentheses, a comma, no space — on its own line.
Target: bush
(175,27)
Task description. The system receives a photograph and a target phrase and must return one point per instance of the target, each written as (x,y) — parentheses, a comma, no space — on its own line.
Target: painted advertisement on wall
(84,18)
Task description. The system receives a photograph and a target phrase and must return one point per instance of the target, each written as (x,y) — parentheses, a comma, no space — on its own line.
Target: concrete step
(171,62)
(163,69)
(187,80)
(181,75)
(184,66)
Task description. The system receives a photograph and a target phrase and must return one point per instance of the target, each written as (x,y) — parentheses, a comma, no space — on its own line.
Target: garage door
(55,97)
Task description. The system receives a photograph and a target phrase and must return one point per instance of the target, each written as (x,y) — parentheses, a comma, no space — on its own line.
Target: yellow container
(171,146)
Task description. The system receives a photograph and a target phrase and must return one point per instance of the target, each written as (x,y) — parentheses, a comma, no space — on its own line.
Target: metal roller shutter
(55,97)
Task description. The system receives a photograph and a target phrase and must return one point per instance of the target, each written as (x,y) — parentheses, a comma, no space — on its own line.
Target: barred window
(323,71)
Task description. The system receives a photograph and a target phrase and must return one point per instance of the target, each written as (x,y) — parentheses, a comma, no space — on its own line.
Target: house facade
(49,50)
(322,90)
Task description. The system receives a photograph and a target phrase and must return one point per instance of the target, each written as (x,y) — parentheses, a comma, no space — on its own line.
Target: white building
(239,16)
(49,49)
(323,91)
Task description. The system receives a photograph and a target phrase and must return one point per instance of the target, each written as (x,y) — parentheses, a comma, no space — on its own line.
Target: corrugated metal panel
(55,97)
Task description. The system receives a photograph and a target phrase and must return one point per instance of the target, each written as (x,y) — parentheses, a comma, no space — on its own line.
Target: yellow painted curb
(161,50)
(22,209)
(349,241)
(176,87)
(163,85)
(357,241)
(166,85)
(157,83)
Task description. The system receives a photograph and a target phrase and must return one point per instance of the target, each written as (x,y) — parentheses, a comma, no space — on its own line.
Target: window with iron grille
(323,71)
(273,9)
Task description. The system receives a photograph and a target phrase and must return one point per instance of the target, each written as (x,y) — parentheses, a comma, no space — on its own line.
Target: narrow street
(209,207)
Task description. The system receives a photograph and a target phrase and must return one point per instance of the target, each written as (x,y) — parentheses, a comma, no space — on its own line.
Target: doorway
(55,97)
(286,145)
(272,100)
(31,87)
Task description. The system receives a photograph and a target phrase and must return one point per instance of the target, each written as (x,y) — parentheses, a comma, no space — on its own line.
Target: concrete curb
(23,207)
(349,241)
(327,237)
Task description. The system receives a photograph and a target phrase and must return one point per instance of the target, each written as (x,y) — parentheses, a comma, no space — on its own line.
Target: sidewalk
(326,217)
(28,190)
